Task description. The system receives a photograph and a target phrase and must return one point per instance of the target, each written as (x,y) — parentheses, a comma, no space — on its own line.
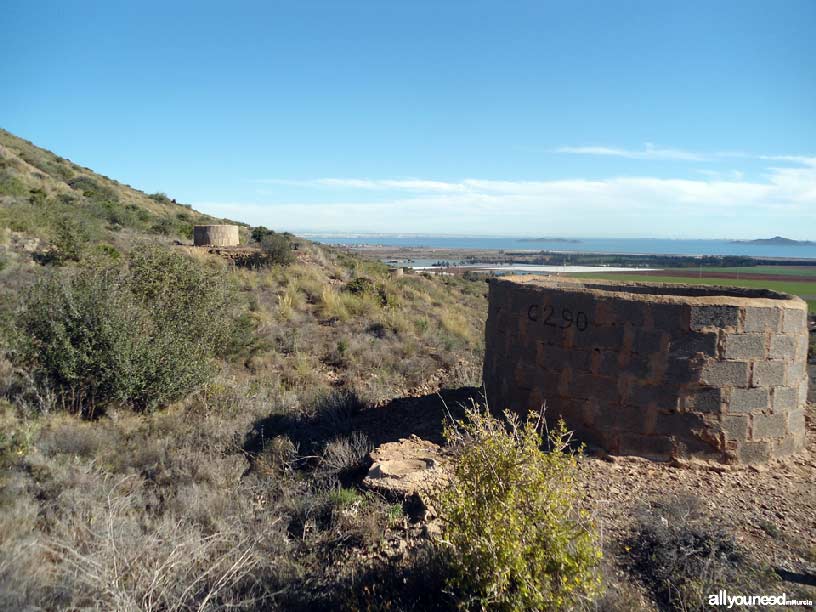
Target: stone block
(762,319)
(692,344)
(678,424)
(608,363)
(638,366)
(745,346)
(769,426)
(627,311)
(682,371)
(748,400)
(725,373)
(647,342)
(802,341)
(754,452)
(708,401)
(794,321)
(786,446)
(720,317)
(556,358)
(605,338)
(605,313)
(785,399)
(783,346)
(804,392)
(735,427)
(652,447)
(768,374)
(588,386)
(649,395)
(796,420)
(571,411)
(797,372)
(629,419)
(670,317)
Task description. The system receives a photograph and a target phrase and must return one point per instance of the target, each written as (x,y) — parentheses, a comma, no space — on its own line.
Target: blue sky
(666,119)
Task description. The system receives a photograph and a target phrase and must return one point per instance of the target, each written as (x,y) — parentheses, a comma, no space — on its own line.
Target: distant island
(776,241)
(564,240)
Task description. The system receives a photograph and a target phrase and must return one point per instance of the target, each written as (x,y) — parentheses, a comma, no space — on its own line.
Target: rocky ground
(770,509)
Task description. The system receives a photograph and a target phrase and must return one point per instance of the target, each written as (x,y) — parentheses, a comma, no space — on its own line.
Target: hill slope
(44,196)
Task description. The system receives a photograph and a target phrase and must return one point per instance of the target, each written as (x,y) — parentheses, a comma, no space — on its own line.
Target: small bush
(142,335)
(365,287)
(277,250)
(159,197)
(510,516)
(68,245)
(682,557)
(345,457)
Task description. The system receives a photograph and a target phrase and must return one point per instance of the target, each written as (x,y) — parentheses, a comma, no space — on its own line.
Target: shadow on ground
(342,414)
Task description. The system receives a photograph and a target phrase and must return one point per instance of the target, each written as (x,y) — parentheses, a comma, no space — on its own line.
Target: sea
(630,246)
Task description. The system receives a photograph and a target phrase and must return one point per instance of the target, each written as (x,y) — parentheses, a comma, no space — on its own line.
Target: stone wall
(662,371)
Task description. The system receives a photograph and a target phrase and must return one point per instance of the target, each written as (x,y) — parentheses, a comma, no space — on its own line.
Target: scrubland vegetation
(179,433)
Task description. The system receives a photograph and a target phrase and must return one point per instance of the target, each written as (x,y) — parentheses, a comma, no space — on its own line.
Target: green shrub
(92,189)
(365,287)
(11,185)
(159,197)
(68,244)
(510,516)
(143,335)
(259,232)
(276,249)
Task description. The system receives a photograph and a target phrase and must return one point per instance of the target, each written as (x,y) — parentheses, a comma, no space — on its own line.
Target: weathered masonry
(215,235)
(658,370)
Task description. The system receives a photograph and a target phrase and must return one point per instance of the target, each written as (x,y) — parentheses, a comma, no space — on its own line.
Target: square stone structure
(657,370)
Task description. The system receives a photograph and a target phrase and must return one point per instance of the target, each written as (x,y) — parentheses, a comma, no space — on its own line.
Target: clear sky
(651,118)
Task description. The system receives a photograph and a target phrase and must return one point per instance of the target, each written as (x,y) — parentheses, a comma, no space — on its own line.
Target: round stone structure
(215,235)
(657,370)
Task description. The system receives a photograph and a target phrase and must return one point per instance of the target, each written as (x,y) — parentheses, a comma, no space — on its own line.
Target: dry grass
(176,509)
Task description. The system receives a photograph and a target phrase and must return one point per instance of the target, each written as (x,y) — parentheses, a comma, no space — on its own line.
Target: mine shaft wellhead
(657,370)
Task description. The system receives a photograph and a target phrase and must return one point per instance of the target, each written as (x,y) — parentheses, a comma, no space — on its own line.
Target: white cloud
(782,201)
(653,152)
(649,151)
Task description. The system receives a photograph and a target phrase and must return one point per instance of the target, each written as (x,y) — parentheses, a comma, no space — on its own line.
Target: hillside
(210,453)
(180,432)
(47,197)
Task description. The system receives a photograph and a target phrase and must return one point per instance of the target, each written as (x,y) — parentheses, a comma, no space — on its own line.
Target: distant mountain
(776,241)
(562,240)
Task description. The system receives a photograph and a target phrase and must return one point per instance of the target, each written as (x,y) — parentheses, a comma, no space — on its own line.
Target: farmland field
(802,280)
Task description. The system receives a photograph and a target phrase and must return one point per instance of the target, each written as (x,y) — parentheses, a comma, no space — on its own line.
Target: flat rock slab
(407,467)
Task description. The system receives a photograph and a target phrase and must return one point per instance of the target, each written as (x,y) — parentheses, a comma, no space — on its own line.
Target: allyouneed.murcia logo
(722,598)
